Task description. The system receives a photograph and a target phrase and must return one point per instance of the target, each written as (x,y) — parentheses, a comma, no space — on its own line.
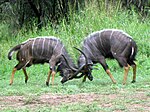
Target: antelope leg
(53,75)
(126,70)
(12,76)
(111,76)
(134,73)
(49,74)
(25,73)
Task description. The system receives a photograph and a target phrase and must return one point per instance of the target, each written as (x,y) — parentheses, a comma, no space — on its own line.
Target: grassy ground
(98,95)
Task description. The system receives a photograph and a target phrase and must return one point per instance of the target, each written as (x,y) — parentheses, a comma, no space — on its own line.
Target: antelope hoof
(133,81)
(124,83)
(83,81)
(115,82)
(10,84)
(47,83)
(26,81)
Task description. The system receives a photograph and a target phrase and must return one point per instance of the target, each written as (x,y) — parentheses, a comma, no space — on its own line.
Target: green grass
(80,26)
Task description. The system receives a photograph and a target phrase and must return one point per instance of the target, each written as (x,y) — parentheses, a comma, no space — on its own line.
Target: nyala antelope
(108,43)
(40,50)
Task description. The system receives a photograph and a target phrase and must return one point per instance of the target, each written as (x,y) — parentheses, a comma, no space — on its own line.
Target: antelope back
(101,42)
(42,48)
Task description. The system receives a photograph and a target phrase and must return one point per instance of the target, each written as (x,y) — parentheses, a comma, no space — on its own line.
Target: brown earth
(132,102)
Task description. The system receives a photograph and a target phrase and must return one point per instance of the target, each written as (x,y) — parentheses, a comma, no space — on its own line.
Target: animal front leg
(17,67)
(53,76)
(111,76)
(48,78)
(106,68)
(52,68)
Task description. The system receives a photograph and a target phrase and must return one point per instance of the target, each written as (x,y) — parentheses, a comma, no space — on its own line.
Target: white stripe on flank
(38,44)
(89,51)
(48,47)
(55,45)
(90,41)
(58,54)
(99,36)
(111,34)
(43,46)
(101,42)
(60,51)
(93,41)
(33,46)
(52,43)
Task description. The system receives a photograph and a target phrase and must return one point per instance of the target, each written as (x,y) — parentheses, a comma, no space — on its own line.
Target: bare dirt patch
(59,99)
(52,99)
(11,101)
(132,102)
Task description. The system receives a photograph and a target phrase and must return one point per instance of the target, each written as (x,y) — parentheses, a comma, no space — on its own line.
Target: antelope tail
(133,51)
(16,48)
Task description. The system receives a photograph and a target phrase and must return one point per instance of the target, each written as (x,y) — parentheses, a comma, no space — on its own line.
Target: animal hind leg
(17,67)
(12,76)
(134,73)
(126,70)
(133,65)
(123,63)
(25,73)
